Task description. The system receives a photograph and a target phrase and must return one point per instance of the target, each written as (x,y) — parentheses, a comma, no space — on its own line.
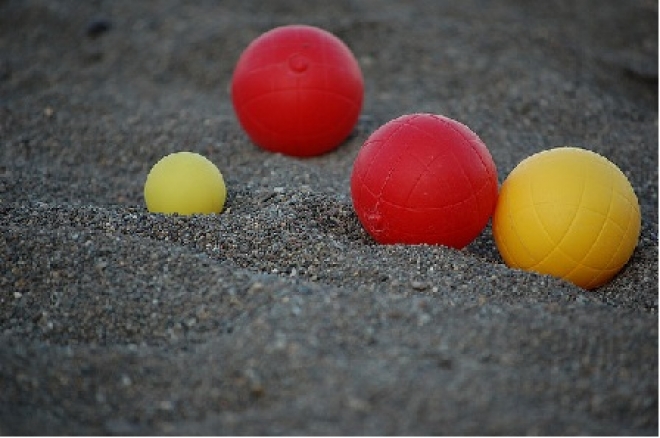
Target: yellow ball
(570,213)
(185,183)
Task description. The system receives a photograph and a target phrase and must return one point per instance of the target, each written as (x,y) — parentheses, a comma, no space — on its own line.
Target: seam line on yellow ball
(513,228)
(621,243)
(557,245)
(581,263)
(510,254)
(624,230)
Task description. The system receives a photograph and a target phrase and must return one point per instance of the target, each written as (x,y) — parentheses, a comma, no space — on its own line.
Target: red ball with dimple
(424,179)
(297,90)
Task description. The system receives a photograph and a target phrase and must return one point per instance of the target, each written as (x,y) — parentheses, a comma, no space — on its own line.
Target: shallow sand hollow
(281,315)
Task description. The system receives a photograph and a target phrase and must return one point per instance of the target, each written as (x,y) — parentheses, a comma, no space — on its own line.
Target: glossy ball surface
(570,213)
(424,178)
(297,90)
(185,183)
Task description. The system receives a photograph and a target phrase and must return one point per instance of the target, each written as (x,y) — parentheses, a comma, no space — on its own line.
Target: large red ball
(424,178)
(297,90)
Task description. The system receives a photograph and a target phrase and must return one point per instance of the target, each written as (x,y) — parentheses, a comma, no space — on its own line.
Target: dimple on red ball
(297,90)
(424,179)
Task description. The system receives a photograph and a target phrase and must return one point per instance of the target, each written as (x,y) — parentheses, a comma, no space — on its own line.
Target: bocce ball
(424,178)
(570,213)
(297,90)
(185,183)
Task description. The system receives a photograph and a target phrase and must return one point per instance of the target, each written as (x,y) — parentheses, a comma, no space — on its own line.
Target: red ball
(424,178)
(297,90)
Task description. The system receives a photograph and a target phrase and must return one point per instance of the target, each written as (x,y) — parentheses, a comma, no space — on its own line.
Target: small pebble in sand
(97,27)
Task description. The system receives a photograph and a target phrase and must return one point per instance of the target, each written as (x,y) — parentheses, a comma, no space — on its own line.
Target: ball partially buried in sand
(185,183)
(570,213)
(424,178)
(297,90)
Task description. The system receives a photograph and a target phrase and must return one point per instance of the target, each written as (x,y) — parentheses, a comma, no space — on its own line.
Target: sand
(281,315)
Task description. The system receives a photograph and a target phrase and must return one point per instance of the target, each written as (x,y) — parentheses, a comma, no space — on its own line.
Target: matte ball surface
(185,183)
(297,90)
(570,213)
(424,178)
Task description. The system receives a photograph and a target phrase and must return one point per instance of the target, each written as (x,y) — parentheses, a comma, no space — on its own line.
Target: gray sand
(281,315)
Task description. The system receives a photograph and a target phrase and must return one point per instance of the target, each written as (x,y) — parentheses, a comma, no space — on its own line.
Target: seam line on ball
(557,245)
(600,233)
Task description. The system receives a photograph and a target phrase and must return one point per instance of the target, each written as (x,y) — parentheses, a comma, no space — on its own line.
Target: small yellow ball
(185,183)
(570,213)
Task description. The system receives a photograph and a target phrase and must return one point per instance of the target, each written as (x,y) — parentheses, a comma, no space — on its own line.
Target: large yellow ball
(185,183)
(570,213)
